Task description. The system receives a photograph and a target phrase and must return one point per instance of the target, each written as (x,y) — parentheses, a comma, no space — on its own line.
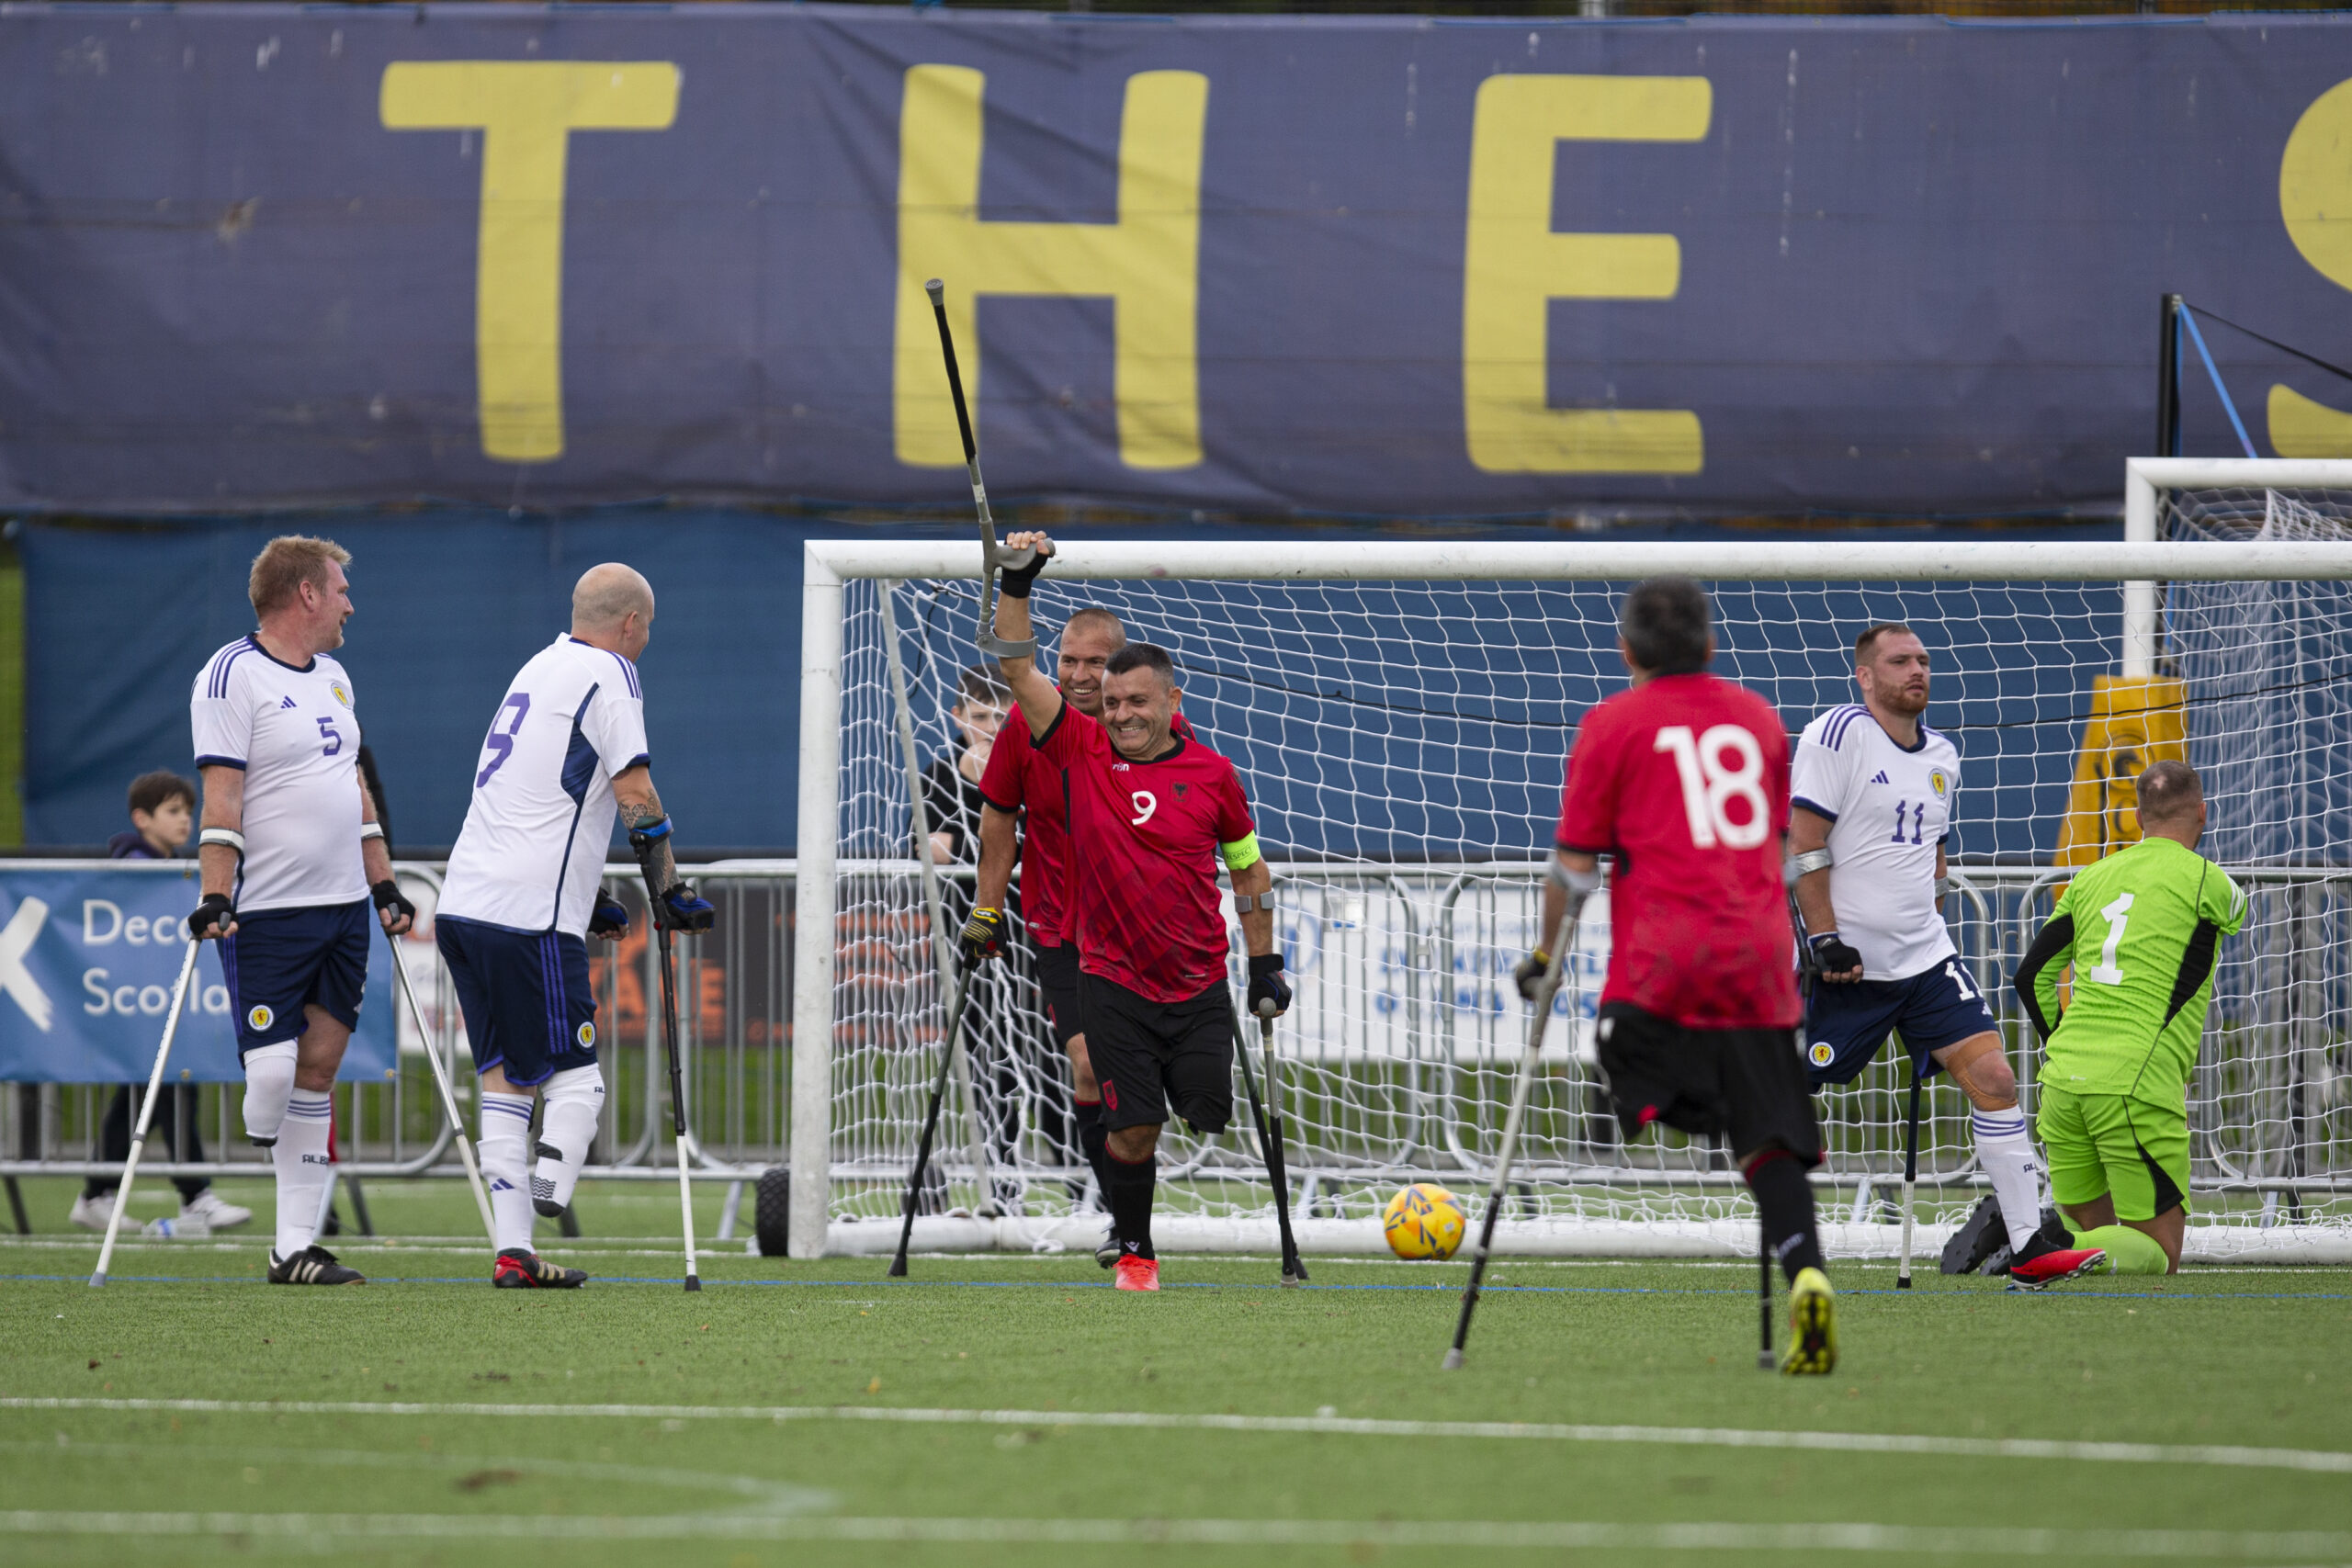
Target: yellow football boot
(1812,1325)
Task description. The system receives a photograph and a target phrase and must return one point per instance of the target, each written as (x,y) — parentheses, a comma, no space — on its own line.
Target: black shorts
(1748,1085)
(1149,1055)
(1057,988)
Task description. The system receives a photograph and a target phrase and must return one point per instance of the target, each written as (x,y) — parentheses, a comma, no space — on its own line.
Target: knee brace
(269,1085)
(573,1103)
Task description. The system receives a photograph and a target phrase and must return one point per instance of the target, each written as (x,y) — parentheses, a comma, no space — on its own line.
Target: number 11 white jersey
(532,851)
(1889,810)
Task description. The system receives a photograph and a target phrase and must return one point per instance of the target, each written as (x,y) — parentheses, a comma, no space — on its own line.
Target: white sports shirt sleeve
(1889,809)
(295,736)
(532,851)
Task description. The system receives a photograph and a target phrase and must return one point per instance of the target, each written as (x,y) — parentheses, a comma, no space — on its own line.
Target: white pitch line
(2135,1545)
(2318,1459)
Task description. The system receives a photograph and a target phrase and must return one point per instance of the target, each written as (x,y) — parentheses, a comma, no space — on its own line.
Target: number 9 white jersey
(532,851)
(1889,810)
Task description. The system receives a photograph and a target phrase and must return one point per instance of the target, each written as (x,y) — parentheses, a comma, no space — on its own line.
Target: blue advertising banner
(89,954)
(269,255)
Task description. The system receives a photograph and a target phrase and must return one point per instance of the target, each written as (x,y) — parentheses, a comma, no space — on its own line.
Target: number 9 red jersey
(1684,780)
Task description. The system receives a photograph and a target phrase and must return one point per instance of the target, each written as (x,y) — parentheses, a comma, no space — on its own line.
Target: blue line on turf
(1195,1285)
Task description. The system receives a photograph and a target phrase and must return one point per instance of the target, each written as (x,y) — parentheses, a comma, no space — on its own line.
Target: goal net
(1400,716)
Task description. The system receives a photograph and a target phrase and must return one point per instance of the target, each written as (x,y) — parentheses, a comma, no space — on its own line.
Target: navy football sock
(1129,1192)
(1784,1199)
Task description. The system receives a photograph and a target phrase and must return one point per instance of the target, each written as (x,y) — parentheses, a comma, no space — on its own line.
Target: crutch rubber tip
(1902,1281)
(97,1280)
(692,1283)
(1452,1362)
(935,287)
(1292,1281)
(1764,1363)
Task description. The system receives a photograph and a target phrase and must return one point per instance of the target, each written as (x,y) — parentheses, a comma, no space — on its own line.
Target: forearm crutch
(1500,1191)
(146,1112)
(425,1032)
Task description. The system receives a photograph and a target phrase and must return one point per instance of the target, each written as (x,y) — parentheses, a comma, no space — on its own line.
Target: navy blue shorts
(1845,1025)
(525,996)
(281,961)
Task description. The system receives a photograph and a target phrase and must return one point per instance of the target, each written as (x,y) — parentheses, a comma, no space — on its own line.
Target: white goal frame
(2140,562)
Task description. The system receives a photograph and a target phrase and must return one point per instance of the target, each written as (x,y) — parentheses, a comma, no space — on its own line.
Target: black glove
(1528,975)
(1017,579)
(387,896)
(1266,984)
(680,909)
(210,916)
(1834,957)
(982,937)
(609,917)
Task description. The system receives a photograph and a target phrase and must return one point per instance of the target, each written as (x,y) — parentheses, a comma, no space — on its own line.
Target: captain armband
(228,838)
(1242,854)
(1812,861)
(371,830)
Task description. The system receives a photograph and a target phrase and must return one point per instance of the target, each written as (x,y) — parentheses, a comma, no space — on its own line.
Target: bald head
(612,606)
(2172,802)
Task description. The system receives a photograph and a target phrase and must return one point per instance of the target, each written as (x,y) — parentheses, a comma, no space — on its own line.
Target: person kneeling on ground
(2141,930)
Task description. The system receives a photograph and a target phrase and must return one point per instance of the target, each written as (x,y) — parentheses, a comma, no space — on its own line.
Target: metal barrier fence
(1404,988)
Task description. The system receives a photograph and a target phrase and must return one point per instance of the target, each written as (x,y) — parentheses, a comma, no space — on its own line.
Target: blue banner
(269,255)
(88,955)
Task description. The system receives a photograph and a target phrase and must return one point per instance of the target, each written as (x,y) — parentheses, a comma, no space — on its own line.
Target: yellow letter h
(1148,261)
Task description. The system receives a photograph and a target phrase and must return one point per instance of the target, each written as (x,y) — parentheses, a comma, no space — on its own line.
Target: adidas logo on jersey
(285,702)
(1881,777)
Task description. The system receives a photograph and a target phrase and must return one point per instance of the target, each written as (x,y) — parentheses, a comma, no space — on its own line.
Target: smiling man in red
(1151,813)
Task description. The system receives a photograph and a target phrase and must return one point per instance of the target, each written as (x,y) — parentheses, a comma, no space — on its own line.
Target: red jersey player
(1683,780)
(1151,813)
(1022,785)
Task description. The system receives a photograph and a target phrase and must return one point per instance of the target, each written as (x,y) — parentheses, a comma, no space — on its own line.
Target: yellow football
(1424,1221)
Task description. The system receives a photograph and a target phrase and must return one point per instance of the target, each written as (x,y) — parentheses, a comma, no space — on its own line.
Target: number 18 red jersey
(1684,780)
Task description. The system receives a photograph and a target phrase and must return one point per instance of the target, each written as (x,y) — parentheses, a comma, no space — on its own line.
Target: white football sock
(2006,1154)
(575,1100)
(505,1148)
(300,1156)
(269,1081)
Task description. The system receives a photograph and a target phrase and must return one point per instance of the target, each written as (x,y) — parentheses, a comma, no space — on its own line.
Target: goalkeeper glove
(610,917)
(982,937)
(1834,957)
(1266,984)
(1529,972)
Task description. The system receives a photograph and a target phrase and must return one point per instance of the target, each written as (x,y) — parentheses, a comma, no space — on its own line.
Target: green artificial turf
(2254,1358)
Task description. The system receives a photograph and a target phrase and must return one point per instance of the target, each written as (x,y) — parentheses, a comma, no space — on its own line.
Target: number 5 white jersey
(293,734)
(1889,810)
(532,851)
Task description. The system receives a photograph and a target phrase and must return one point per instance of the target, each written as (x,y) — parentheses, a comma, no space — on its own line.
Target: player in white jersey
(565,753)
(1872,791)
(291,856)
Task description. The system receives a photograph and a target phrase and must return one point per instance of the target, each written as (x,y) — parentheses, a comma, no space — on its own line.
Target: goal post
(1400,712)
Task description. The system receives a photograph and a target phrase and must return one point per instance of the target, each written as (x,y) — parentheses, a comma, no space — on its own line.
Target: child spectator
(163,816)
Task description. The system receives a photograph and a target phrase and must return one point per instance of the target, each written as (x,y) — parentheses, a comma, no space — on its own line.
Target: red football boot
(2041,1270)
(1134,1273)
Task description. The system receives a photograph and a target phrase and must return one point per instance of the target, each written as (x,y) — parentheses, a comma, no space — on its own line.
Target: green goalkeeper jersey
(2139,929)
